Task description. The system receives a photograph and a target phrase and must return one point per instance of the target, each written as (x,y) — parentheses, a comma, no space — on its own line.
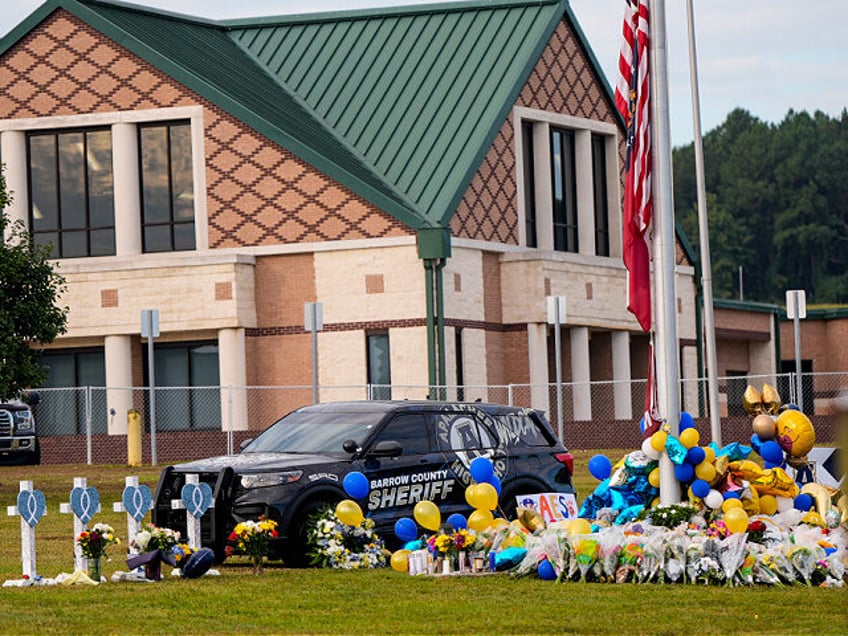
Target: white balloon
(649,451)
(784,504)
(713,500)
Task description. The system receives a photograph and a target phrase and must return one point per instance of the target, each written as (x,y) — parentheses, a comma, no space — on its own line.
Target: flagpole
(704,238)
(668,370)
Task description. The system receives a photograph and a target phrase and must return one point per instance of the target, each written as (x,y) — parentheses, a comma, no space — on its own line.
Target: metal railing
(89,424)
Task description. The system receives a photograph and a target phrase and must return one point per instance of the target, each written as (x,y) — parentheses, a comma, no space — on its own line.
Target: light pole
(796,309)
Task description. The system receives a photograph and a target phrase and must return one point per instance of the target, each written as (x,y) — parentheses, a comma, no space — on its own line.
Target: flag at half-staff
(632,98)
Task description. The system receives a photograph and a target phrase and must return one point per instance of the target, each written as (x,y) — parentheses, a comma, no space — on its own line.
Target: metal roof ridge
(378,12)
(159,13)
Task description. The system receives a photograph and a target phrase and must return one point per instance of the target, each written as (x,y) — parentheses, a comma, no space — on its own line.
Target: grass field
(371,602)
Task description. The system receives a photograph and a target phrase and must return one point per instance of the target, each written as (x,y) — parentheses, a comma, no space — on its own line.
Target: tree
(29,291)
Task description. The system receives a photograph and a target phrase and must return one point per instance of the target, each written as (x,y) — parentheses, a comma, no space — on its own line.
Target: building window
(379,366)
(564,174)
(599,192)
(187,381)
(167,188)
(62,409)
(529,185)
(71,189)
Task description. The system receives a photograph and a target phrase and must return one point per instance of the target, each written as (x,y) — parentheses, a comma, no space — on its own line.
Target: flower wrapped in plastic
(732,552)
(629,559)
(653,555)
(674,563)
(745,573)
(777,561)
(585,552)
(694,552)
(804,560)
(610,544)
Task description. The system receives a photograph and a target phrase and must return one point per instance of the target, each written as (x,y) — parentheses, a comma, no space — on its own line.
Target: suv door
(418,473)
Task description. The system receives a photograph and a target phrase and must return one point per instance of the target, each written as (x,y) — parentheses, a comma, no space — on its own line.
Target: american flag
(632,99)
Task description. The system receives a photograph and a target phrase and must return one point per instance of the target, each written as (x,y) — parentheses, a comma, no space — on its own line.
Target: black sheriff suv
(409,450)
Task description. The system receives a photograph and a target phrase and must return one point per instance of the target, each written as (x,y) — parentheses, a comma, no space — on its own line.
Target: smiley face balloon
(795,433)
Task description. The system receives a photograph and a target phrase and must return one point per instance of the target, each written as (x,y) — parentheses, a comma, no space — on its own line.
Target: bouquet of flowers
(251,538)
(180,552)
(756,531)
(96,540)
(585,549)
(671,516)
(337,545)
(609,548)
(154,538)
(674,562)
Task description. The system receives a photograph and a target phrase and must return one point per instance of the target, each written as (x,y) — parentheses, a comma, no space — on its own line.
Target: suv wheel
(295,553)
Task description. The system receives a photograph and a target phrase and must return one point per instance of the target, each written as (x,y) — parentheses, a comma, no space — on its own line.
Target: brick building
(428,174)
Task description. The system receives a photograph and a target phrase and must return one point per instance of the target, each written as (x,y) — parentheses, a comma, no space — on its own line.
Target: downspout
(434,248)
(440,326)
(431,345)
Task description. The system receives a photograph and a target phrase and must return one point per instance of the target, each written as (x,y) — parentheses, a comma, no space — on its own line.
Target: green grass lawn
(370,602)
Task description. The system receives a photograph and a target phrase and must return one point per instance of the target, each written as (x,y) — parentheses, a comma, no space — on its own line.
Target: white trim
(103,119)
(564,121)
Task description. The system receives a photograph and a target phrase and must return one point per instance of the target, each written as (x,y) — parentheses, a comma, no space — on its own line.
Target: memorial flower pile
(154,538)
(96,540)
(338,545)
(453,543)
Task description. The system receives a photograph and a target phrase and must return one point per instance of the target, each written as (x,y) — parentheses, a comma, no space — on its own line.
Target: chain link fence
(89,424)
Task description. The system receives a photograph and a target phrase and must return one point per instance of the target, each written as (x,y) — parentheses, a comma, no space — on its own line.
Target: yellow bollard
(133,437)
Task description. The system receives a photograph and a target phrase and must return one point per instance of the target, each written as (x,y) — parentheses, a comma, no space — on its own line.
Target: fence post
(88,424)
(510,395)
(133,437)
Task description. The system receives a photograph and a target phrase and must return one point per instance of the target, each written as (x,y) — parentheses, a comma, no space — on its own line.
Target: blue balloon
(731,494)
(768,465)
(684,472)
(412,546)
(356,485)
(482,470)
(686,421)
(791,407)
(458,521)
(642,425)
(700,488)
(546,571)
(600,467)
(695,455)
(771,452)
(803,502)
(405,529)
(496,482)
(756,443)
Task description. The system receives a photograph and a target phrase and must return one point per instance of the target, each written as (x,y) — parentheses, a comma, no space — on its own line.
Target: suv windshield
(314,432)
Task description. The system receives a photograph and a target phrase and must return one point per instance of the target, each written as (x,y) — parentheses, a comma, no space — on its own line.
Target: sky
(766,56)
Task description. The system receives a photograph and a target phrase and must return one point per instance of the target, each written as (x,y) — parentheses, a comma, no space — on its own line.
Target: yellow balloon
(690,437)
(579,526)
(499,523)
(709,454)
(768,504)
(795,433)
(655,502)
(349,512)
(482,496)
(729,504)
(658,441)
(654,477)
(400,561)
(736,519)
(705,471)
(479,520)
(427,515)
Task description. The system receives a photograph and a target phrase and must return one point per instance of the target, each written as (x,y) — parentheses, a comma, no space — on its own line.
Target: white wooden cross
(89,504)
(196,500)
(136,502)
(30,516)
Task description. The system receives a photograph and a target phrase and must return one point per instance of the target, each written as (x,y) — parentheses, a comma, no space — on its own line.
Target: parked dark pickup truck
(18,443)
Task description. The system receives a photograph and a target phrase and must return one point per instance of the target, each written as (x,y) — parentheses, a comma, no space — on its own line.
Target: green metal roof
(400,105)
